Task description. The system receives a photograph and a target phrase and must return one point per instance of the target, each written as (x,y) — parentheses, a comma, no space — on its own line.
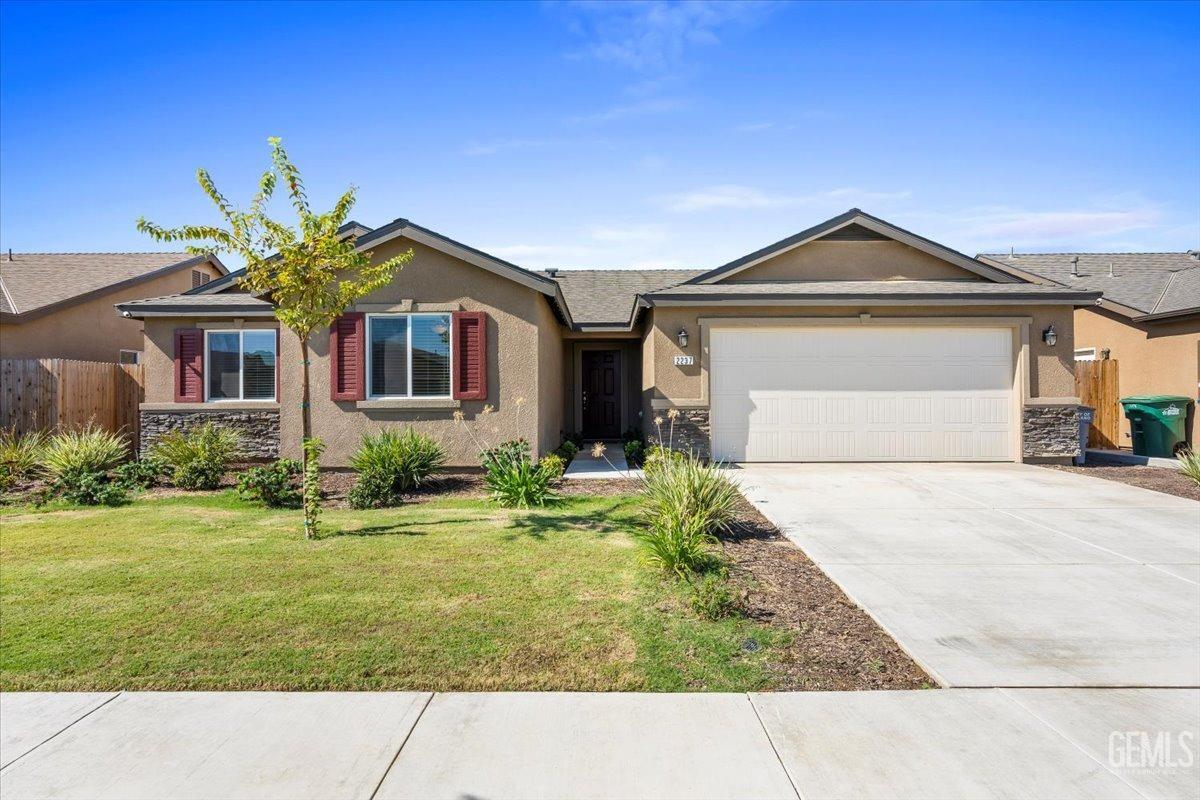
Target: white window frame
(1085,354)
(409,359)
(137,357)
(241,398)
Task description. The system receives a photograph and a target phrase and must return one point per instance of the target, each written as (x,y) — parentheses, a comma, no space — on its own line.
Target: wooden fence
(1096,383)
(55,393)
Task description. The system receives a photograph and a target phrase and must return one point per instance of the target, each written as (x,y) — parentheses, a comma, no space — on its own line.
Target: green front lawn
(209,592)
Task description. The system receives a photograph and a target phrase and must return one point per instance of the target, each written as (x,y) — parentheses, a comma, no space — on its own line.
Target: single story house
(59,305)
(1148,319)
(853,340)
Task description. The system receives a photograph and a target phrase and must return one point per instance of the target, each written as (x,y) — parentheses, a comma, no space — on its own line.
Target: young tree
(311,273)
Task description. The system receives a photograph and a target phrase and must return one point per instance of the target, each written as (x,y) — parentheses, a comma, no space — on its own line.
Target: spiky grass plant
(198,457)
(684,504)
(89,450)
(20,454)
(391,463)
(1189,464)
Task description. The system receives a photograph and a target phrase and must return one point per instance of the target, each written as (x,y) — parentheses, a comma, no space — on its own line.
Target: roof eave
(1071,299)
(1164,316)
(142,312)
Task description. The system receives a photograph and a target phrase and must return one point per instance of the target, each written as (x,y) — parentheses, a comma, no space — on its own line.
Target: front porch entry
(600,395)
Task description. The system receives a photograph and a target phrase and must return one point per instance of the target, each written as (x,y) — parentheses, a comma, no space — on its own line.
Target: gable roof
(887,293)
(34,284)
(1137,285)
(367,238)
(857,224)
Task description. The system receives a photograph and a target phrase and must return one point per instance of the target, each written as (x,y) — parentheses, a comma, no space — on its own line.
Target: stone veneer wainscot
(259,429)
(1050,431)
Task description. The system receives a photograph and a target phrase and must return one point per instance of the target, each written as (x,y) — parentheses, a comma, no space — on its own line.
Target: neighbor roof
(1137,284)
(32,284)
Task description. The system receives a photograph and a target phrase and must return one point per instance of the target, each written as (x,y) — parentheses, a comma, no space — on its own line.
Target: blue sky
(613,135)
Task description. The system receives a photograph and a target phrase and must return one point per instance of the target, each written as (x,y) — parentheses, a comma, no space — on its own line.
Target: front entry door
(601,394)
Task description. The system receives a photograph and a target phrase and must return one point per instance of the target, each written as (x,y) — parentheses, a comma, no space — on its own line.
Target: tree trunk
(306,432)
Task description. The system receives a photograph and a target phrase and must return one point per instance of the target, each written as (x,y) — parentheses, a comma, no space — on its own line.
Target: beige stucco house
(60,305)
(854,340)
(1148,319)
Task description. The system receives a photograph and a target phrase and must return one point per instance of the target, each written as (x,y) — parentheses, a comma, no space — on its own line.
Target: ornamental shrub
(198,457)
(518,482)
(553,465)
(391,463)
(89,450)
(275,485)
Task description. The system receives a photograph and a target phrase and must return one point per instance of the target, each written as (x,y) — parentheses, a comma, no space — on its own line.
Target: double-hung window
(408,355)
(240,365)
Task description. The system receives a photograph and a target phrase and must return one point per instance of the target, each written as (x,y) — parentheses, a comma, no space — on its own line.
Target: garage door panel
(862,394)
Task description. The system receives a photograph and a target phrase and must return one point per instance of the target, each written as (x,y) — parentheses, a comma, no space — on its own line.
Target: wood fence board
(1098,385)
(52,393)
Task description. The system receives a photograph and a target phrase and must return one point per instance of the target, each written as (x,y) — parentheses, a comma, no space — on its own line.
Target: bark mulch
(1159,479)
(837,645)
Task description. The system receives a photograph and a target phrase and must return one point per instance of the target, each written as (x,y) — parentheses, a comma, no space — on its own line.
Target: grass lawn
(209,592)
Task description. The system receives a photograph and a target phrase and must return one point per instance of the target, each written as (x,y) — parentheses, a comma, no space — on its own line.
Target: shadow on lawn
(396,528)
(537,524)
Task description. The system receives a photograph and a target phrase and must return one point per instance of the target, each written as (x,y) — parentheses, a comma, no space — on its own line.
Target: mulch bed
(1159,479)
(837,645)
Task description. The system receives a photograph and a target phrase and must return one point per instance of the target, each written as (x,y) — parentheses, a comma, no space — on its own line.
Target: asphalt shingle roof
(31,281)
(607,296)
(1146,282)
(912,289)
(223,301)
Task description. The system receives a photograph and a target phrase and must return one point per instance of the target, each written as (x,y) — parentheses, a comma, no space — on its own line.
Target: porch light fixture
(682,337)
(1050,336)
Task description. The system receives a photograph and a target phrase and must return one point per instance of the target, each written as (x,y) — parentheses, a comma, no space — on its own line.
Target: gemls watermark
(1157,750)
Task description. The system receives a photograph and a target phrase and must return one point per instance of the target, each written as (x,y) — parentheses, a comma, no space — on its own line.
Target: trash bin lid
(1154,399)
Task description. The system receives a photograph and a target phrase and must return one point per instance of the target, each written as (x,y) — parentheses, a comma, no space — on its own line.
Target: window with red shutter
(347,357)
(470,355)
(189,365)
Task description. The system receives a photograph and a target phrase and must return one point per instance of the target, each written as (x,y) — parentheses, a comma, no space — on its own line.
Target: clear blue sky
(613,135)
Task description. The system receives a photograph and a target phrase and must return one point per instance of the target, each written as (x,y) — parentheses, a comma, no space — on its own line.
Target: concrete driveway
(1004,574)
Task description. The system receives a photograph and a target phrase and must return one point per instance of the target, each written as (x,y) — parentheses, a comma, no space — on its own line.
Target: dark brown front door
(601,394)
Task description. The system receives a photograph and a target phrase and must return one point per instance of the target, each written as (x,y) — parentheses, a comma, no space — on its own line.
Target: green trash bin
(1157,423)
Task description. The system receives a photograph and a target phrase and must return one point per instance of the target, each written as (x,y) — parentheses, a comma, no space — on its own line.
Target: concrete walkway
(1004,574)
(1061,743)
(584,466)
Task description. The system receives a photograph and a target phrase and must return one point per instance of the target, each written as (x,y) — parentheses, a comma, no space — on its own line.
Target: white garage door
(867,393)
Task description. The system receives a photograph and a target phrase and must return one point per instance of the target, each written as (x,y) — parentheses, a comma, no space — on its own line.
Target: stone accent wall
(259,429)
(691,431)
(1050,431)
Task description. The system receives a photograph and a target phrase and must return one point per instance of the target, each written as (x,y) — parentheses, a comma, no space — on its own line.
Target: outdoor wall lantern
(1050,336)
(682,337)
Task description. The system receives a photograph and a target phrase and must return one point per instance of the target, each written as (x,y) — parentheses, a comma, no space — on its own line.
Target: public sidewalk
(961,743)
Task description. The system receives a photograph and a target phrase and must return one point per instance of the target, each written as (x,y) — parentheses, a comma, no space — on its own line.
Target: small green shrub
(390,464)
(518,483)
(140,474)
(631,434)
(633,452)
(1189,464)
(198,457)
(567,450)
(275,485)
(511,451)
(553,465)
(89,450)
(684,503)
(90,488)
(20,454)
(712,598)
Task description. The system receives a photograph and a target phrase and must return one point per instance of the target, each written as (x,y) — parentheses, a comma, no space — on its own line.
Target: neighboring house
(1148,319)
(59,305)
(853,340)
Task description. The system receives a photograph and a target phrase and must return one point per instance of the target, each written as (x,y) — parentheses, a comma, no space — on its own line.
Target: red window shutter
(470,355)
(347,357)
(189,365)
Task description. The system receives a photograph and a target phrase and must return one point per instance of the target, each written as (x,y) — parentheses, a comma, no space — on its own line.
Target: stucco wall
(91,330)
(432,281)
(1158,359)
(853,261)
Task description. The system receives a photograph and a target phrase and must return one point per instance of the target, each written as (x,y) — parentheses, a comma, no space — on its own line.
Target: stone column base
(691,433)
(1050,432)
